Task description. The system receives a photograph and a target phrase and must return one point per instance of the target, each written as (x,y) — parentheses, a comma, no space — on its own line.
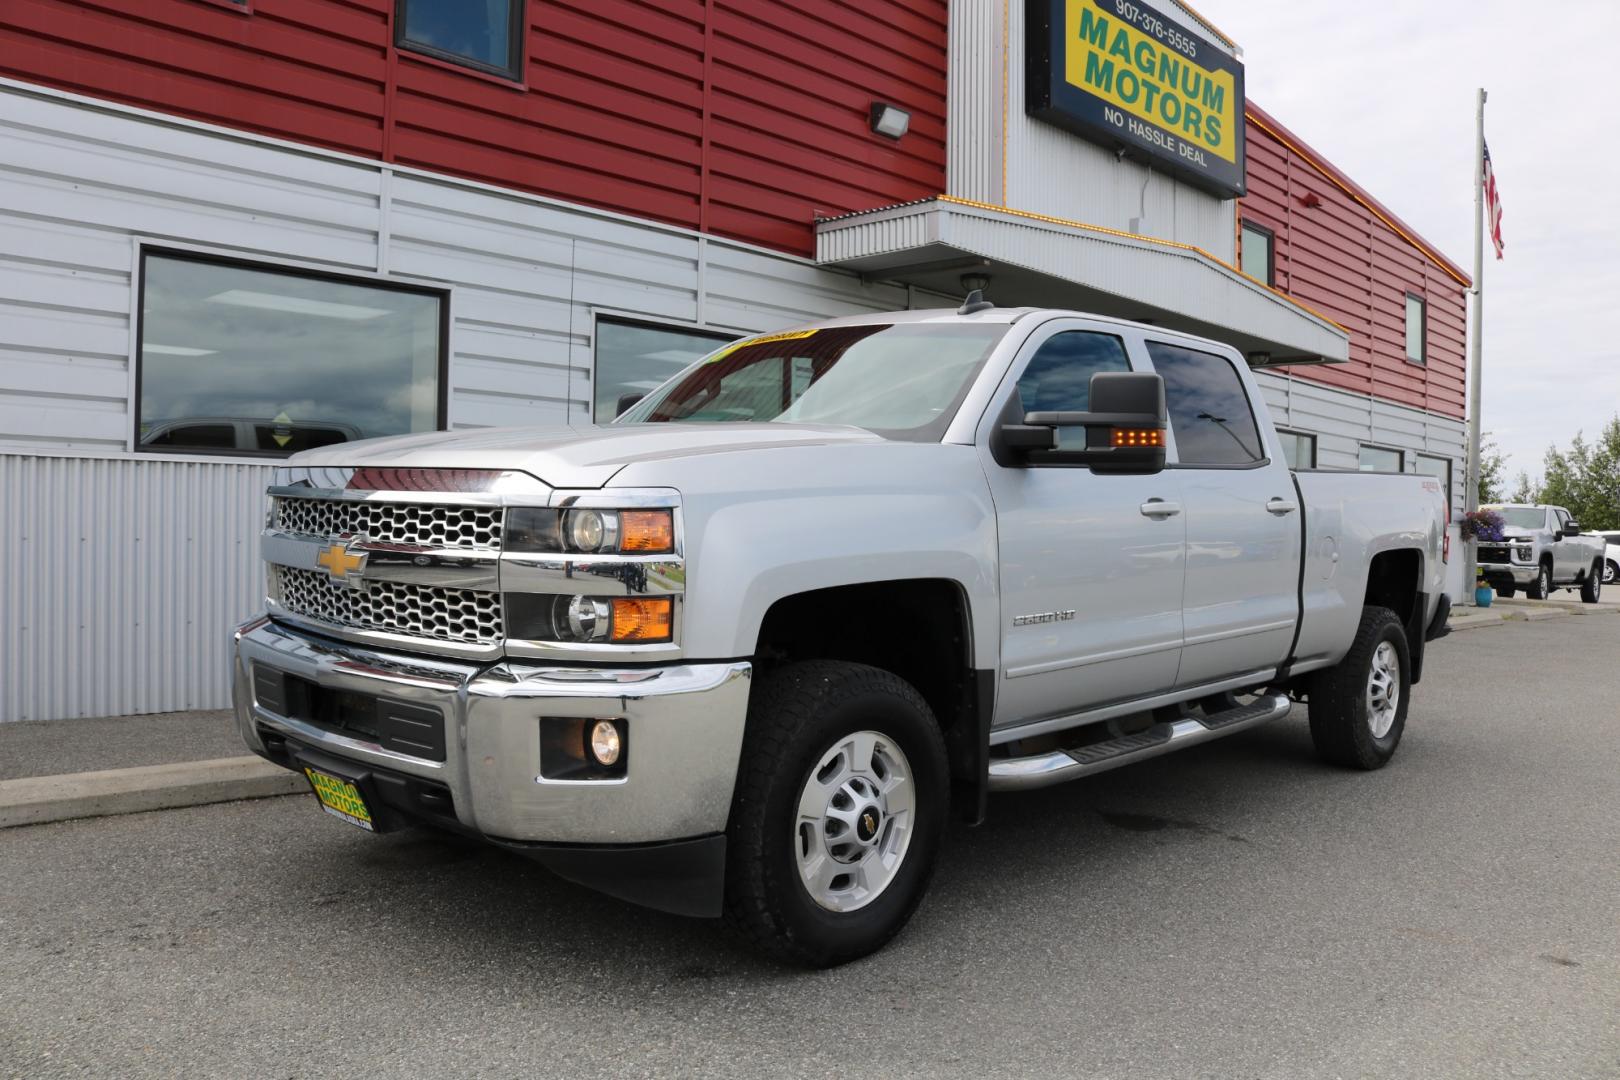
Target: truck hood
(1513,532)
(573,457)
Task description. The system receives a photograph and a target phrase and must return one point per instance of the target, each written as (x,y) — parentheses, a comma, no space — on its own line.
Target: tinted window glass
(1058,376)
(1257,253)
(1378,459)
(314,359)
(483,33)
(632,359)
(1414,328)
(1209,413)
(1522,517)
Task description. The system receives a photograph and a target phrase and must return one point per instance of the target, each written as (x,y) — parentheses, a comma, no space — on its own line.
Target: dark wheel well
(918,629)
(1393,580)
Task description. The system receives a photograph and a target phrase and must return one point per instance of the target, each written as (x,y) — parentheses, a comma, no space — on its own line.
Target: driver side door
(1091,566)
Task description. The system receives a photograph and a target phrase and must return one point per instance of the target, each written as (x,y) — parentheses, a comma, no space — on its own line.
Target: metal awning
(1040,261)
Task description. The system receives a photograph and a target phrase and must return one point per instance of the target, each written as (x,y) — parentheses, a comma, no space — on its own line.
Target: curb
(36,800)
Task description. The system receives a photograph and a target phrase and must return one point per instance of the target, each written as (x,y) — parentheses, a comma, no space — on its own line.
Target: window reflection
(477,31)
(237,358)
(631,359)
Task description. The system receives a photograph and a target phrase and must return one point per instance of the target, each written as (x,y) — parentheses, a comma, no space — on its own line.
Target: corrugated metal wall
(740,117)
(120,581)
(1339,257)
(1048,170)
(124,539)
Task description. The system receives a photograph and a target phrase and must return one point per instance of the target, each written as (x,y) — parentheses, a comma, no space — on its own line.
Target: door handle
(1158,509)
(1281,506)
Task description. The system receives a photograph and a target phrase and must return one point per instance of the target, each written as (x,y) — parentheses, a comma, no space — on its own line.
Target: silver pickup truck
(1542,549)
(744,650)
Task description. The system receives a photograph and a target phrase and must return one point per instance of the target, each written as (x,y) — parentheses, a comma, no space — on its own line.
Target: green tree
(1491,464)
(1525,490)
(1586,478)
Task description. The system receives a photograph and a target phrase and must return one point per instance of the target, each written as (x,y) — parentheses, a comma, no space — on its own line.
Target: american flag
(1493,204)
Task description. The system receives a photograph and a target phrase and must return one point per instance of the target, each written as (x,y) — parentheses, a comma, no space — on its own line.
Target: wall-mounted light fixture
(975,281)
(1259,358)
(889,119)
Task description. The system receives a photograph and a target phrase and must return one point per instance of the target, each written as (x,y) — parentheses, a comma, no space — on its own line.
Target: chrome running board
(1060,766)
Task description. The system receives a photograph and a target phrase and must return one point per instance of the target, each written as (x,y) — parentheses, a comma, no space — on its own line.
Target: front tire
(839,809)
(1358,706)
(1542,588)
(1610,570)
(1592,586)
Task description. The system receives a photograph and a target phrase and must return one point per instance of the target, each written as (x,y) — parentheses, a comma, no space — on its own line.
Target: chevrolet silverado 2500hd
(740,651)
(1542,549)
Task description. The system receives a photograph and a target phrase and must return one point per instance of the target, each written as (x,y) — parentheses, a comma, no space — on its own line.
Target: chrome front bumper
(684,725)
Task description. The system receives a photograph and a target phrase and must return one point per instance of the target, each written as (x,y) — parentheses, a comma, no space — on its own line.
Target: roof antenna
(975,302)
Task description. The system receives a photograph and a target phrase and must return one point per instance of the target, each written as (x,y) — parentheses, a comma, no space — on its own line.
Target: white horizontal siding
(122,573)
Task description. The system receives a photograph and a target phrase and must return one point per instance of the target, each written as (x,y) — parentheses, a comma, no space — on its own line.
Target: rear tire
(843,766)
(1358,706)
(1592,587)
(1541,588)
(1610,570)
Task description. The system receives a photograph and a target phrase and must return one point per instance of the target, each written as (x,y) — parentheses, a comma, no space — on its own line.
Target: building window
(1258,260)
(1417,318)
(1381,459)
(482,34)
(1210,415)
(1299,449)
(250,359)
(1437,467)
(632,358)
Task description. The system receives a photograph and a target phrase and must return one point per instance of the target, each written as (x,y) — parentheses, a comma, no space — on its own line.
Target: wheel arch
(920,629)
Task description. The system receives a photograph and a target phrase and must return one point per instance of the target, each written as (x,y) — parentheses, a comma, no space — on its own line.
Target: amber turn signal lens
(648,532)
(1138,437)
(643,618)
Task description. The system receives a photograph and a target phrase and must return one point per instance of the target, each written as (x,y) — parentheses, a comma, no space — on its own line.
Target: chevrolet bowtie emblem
(344,566)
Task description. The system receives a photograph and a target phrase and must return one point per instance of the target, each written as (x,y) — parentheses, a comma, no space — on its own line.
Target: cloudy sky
(1385,90)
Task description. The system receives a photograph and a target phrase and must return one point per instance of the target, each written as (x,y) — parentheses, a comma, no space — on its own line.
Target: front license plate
(340,798)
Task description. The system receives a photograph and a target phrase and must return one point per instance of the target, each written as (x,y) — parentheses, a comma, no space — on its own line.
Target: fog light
(606,745)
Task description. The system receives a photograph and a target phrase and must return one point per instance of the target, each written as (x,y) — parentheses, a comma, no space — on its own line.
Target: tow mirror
(1123,432)
(1572,528)
(626,402)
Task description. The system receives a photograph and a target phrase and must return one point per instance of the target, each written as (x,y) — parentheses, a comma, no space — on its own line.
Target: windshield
(899,380)
(1523,517)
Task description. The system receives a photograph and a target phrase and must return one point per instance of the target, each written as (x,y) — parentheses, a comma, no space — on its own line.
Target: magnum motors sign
(1120,73)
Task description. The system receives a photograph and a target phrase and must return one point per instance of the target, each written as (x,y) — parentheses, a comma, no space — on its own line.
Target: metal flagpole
(1471,498)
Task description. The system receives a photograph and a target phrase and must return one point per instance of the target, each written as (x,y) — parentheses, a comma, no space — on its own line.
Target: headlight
(1522,554)
(589,532)
(617,620)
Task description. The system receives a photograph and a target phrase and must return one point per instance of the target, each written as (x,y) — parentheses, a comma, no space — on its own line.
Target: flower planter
(1483,595)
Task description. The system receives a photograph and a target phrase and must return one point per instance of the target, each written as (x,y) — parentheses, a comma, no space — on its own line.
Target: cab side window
(1058,376)
(1210,414)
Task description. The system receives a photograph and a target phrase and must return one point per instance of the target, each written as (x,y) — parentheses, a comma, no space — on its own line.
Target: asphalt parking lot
(1233,911)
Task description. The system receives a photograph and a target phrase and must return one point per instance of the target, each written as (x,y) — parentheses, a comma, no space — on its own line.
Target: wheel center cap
(866,826)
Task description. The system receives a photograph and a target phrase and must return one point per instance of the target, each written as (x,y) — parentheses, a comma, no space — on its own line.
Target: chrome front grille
(465,616)
(1494,553)
(423,524)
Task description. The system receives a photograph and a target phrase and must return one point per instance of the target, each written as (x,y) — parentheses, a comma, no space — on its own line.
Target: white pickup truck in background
(1542,549)
(742,651)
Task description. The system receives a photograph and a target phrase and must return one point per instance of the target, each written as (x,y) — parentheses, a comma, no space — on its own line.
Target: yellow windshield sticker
(791,335)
